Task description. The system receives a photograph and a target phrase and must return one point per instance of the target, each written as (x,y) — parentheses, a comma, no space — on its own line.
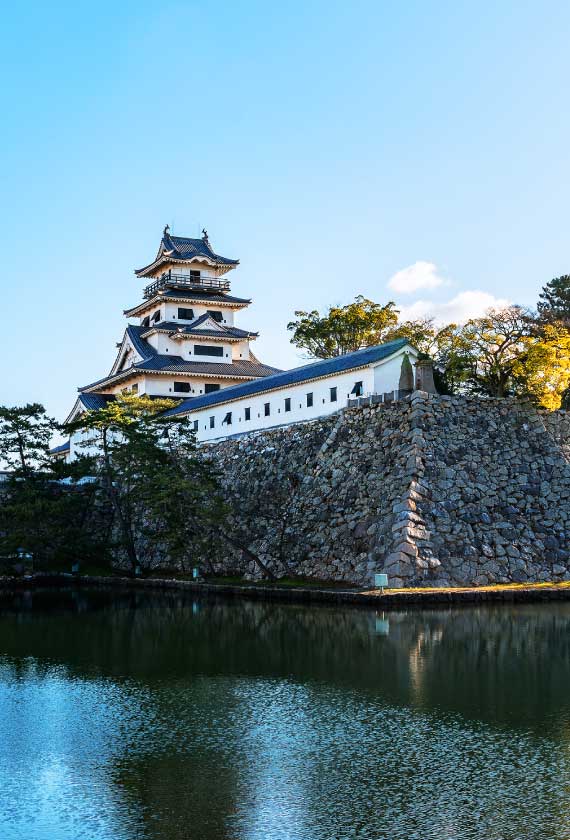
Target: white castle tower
(185,343)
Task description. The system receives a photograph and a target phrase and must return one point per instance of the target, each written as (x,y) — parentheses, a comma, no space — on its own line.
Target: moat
(132,715)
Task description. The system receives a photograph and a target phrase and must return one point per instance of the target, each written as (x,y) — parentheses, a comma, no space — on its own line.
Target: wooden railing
(186,281)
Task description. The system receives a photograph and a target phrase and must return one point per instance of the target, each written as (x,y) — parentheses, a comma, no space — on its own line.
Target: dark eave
(188,297)
(224,333)
(169,365)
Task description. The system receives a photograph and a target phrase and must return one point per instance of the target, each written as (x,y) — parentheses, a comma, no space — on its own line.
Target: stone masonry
(432,490)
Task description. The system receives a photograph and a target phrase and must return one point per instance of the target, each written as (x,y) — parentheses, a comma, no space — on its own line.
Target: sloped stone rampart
(432,490)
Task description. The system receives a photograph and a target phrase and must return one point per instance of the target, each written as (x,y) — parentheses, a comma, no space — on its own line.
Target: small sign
(380,581)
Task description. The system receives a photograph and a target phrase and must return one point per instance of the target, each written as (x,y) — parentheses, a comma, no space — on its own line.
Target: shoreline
(395,598)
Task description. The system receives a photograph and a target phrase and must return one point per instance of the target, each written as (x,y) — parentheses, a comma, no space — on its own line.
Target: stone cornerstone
(433,490)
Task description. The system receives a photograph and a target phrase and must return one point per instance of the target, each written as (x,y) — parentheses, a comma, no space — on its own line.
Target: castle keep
(183,343)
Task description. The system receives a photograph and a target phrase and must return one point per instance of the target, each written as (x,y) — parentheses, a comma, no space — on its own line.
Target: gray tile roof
(94,401)
(186,249)
(191,329)
(142,347)
(63,447)
(315,370)
(176,364)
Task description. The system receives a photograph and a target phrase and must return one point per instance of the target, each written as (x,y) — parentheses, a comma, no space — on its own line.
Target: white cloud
(420,275)
(459,309)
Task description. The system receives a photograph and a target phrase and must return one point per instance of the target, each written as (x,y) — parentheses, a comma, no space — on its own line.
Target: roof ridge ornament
(166,230)
(205,236)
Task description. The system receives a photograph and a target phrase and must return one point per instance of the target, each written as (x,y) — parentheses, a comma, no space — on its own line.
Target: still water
(131,715)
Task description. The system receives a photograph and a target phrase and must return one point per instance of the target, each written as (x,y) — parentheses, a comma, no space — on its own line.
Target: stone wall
(432,490)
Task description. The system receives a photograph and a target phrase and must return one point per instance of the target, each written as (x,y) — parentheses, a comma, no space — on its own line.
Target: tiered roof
(220,332)
(154,362)
(182,249)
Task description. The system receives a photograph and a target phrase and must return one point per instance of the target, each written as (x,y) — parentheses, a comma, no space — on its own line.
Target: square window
(182,387)
(210,387)
(185,314)
(227,419)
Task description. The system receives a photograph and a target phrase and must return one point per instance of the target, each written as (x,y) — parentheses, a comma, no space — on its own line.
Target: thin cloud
(420,275)
(461,308)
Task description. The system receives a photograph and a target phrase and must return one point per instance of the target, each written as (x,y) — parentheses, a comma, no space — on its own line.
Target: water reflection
(129,715)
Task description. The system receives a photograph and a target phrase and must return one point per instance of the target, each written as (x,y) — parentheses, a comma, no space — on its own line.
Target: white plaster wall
(240,351)
(381,378)
(171,311)
(185,268)
(163,385)
(150,313)
(276,399)
(185,347)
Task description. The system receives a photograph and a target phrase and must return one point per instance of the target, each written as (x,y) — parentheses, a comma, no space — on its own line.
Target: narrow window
(135,389)
(248,413)
(309,399)
(287,403)
(185,314)
(195,425)
(156,316)
(208,350)
(227,419)
(217,316)
(210,387)
(182,387)
(358,389)
(334,394)
(212,422)
(267,409)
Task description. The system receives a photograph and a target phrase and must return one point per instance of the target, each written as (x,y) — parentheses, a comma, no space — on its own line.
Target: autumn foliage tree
(506,352)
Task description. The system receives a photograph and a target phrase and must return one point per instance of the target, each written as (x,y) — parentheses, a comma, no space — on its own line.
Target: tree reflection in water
(139,715)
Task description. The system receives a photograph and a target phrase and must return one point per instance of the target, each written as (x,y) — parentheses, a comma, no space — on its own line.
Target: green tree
(445,345)
(25,435)
(166,497)
(554,302)
(125,438)
(44,509)
(493,345)
(342,329)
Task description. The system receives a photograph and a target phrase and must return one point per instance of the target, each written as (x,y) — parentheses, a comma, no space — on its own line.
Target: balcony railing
(186,281)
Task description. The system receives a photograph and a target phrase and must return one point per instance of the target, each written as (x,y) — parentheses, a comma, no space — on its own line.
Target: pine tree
(554,303)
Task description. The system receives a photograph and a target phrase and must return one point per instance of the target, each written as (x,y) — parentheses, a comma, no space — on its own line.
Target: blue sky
(409,151)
